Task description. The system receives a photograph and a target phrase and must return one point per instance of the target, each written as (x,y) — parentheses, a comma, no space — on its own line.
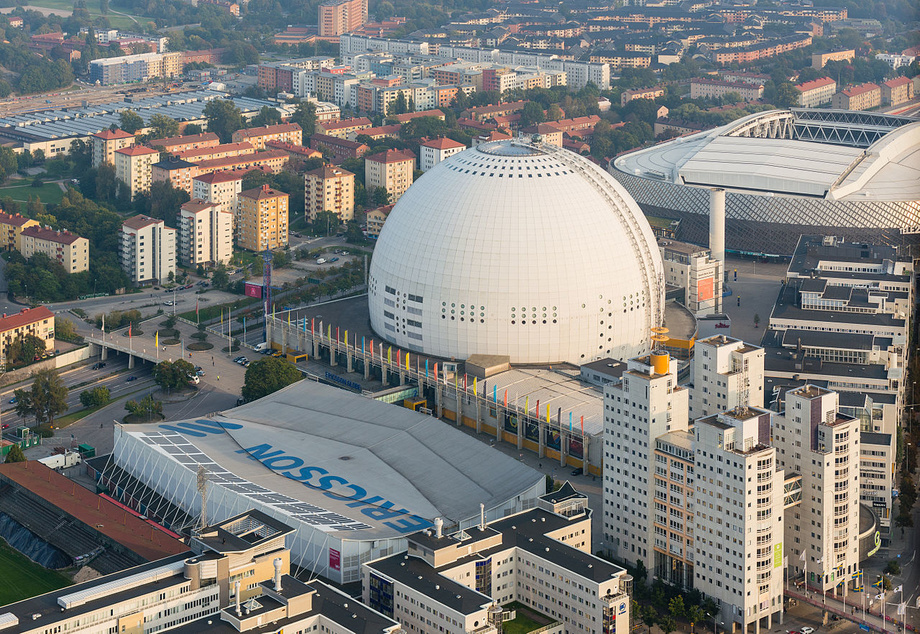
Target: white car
(321,261)
(807,630)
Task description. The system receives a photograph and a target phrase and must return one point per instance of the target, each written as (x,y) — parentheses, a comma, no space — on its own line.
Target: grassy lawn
(524,622)
(31,579)
(49,193)
(115,20)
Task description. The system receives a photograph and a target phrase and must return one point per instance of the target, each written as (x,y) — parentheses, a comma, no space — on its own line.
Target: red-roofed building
(15,22)
(221,188)
(483,113)
(494,135)
(38,321)
(177,144)
(380,132)
(343,128)
(293,151)
(897,90)
(338,149)
(432,152)
(286,132)
(375,219)
(107,142)
(816,92)
(69,249)
(858,98)
(11,227)
(393,170)
(409,116)
(579,126)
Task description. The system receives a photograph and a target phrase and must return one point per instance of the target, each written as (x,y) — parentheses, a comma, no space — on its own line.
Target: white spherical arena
(520,249)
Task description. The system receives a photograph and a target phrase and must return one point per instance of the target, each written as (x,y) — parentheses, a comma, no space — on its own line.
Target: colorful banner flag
(390,354)
(570,422)
(426,368)
(196,310)
(129,331)
(506,399)
(156,339)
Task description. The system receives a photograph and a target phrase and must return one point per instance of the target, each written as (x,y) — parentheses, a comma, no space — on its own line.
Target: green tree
(15,454)
(400,106)
(146,408)
(554,113)
(130,121)
(191,128)
(676,608)
(267,116)
(268,375)
(219,278)
(224,118)
(379,197)
(667,624)
(45,399)
(24,349)
(305,116)
(694,615)
(66,331)
(756,320)
(893,568)
(325,222)
(163,127)
(173,375)
(531,114)
(95,397)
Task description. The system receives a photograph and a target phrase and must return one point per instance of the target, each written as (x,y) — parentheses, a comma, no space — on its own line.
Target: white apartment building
(645,404)
(147,249)
(436,150)
(815,440)
(726,373)
(205,233)
(877,455)
(221,188)
(541,558)
(693,269)
(738,519)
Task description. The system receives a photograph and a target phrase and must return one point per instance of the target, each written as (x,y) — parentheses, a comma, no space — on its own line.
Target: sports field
(21,578)
(49,193)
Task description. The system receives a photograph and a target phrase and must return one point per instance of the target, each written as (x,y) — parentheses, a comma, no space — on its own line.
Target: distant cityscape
(474,318)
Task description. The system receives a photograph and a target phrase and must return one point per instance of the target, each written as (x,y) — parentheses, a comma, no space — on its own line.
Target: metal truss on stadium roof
(845,127)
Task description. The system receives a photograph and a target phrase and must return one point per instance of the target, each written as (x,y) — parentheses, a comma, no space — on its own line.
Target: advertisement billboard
(253,290)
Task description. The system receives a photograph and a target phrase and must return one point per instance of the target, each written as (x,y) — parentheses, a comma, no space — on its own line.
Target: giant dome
(520,249)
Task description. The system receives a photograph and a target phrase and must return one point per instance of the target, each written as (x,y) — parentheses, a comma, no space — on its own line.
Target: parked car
(168,303)
(131,378)
(277,353)
(334,260)
(6,425)
(14,400)
(320,260)
(578,471)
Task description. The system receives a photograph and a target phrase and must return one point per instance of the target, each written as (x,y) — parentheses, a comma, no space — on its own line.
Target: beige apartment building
(820,60)
(185,143)
(107,142)
(393,170)
(284,132)
(38,321)
(375,219)
(68,249)
(898,90)
(861,97)
(205,234)
(11,227)
(134,167)
(337,17)
(816,92)
(263,219)
(329,188)
(222,189)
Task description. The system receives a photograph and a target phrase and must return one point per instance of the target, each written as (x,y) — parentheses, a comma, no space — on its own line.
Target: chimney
(278,563)
(265,187)
(717,224)
(438,527)
(236,589)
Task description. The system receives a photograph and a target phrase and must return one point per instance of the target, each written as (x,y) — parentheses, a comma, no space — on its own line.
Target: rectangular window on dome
(391,290)
(388,314)
(416,298)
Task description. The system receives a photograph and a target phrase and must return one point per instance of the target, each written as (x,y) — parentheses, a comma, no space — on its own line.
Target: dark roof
(820,339)
(173,163)
(417,574)
(786,307)
(811,249)
(565,492)
(790,361)
(222,538)
(874,438)
(609,366)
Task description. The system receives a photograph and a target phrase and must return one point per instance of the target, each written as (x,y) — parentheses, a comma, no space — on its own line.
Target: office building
(148,250)
(693,269)
(392,170)
(205,234)
(38,322)
(11,228)
(726,373)
(540,558)
(436,150)
(106,142)
(337,17)
(284,132)
(262,219)
(67,249)
(329,188)
(134,167)
(233,580)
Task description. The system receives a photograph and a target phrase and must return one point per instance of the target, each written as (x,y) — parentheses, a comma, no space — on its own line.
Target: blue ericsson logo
(294,468)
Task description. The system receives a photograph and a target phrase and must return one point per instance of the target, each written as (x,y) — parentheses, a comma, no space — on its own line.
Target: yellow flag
(390,354)
(407,361)
(156,339)
(346,338)
(547,412)
(475,385)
